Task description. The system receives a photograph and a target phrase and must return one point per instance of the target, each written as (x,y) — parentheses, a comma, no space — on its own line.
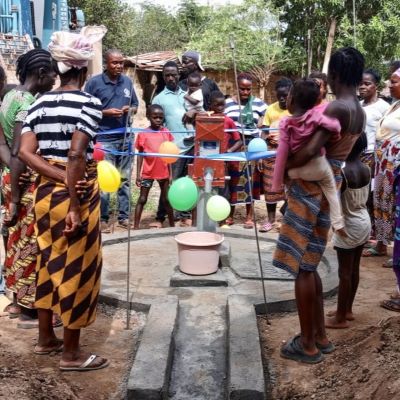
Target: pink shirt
(149,142)
(295,132)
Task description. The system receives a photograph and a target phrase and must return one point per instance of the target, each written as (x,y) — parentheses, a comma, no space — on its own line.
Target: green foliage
(377,29)
(254,28)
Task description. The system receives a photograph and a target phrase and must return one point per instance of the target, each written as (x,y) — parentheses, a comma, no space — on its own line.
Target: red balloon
(98,153)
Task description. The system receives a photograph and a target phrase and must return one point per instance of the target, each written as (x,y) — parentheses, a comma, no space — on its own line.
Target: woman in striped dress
(62,125)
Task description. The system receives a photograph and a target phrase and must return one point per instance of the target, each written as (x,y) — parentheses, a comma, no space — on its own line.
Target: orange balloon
(169,148)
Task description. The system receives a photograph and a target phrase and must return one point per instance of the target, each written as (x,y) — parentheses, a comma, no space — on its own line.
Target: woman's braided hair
(32,61)
(348,64)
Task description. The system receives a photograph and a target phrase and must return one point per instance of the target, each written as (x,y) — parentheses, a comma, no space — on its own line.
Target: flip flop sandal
(372,252)
(85,366)
(293,350)
(56,349)
(11,314)
(248,225)
(326,348)
(229,221)
(266,227)
(392,305)
(388,263)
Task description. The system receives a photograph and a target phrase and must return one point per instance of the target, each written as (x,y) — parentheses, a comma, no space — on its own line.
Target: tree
(253,28)
(377,28)
(113,14)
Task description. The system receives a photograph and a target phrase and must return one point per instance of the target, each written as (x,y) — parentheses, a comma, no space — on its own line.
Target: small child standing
(295,132)
(355,191)
(194,96)
(151,168)
(232,140)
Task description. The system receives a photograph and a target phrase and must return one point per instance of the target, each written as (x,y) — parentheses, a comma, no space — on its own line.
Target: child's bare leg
(339,320)
(142,200)
(164,183)
(249,213)
(271,212)
(355,278)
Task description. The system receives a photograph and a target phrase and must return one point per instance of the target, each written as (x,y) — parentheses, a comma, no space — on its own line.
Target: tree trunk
(329,44)
(309,52)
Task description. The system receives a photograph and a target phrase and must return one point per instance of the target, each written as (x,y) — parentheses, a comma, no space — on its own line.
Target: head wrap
(74,50)
(397,72)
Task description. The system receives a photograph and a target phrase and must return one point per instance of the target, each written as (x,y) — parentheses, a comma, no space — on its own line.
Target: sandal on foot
(392,305)
(266,227)
(373,252)
(229,221)
(248,225)
(325,348)
(56,349)
(395,295)
(13,311)
(388,263)
(293,350)
(85,366)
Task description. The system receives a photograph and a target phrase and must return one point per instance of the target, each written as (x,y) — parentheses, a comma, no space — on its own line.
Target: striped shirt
(55,116)
(232,110)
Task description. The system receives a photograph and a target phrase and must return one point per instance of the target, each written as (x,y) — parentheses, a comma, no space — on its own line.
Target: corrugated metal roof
(152,61)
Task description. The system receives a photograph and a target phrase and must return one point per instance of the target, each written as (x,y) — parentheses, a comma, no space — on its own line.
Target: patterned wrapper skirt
(240,186)
(20,261)
(68,269)
(305,227)
(268,165)
(396,247)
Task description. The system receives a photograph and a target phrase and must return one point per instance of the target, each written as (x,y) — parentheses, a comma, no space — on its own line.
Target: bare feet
(333,323)
(52,346)
(349,315)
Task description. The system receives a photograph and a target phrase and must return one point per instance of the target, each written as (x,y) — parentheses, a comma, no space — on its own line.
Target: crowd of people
(336,162)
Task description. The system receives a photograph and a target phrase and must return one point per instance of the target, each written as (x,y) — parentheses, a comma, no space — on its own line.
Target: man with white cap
(191,62)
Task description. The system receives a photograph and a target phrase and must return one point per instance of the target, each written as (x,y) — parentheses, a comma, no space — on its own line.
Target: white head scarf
(74,50)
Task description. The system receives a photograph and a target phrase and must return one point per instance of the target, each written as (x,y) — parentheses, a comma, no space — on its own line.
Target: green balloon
(218,208)
(183,194)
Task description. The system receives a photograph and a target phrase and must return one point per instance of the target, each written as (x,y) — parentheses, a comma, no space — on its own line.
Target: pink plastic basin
(198,252)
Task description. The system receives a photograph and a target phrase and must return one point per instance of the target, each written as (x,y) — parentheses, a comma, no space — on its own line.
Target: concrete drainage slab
(205,325)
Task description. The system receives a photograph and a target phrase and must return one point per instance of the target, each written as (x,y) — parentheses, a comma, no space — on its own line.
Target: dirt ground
(26,376)
(366,362)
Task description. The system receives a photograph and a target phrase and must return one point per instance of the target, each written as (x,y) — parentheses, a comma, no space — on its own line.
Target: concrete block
(180,279)
(245,369)
(151,370)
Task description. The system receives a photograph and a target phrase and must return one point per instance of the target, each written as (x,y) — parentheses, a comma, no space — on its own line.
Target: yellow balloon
(108,176)
(168,148)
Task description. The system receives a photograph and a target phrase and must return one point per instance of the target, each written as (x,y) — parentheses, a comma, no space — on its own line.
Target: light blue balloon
(257,144)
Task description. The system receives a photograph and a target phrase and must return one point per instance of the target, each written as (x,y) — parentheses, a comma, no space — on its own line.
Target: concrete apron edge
(150,373)
(245,369)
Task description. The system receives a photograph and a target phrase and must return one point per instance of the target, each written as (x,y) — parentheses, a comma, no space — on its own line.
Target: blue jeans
(122,164)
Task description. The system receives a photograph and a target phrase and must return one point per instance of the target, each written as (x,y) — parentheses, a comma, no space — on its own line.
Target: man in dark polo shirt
(191,62)
(118,97)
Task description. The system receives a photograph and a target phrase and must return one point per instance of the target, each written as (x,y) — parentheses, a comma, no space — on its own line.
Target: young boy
(232,140)
(151,168)
(194,96)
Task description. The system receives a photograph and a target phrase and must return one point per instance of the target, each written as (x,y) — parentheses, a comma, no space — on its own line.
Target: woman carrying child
(153,168)
(354,196)
(295,132)
(305,226)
